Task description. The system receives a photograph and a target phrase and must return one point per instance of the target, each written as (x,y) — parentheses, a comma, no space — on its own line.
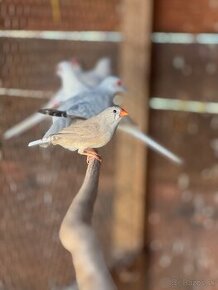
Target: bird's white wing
(138,134)
(24,125)
(30,121)
(70,86)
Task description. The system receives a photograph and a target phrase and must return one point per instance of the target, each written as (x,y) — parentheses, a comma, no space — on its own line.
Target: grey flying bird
(85,105)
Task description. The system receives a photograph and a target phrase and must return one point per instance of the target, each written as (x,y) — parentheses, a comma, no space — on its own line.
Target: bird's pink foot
(95,156)
(91,153)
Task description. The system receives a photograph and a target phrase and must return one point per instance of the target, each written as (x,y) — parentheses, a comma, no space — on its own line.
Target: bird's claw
(93,156)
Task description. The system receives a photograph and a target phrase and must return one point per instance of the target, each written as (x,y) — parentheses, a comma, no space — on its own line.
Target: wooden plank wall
(182,16)
(60,15)
(182,203)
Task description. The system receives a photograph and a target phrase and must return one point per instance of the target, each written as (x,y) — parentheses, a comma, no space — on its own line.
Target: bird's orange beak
(123,113)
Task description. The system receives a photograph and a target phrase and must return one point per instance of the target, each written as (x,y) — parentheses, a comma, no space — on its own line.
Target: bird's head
(113,85)
(63,68)
(113,115)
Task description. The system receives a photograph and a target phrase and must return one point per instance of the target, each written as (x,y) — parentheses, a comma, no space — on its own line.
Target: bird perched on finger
(70,86)
(89,134)
(86,104)
(94,76)
(127,125)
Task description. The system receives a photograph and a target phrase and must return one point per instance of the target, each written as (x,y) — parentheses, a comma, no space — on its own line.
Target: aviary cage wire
(37,185)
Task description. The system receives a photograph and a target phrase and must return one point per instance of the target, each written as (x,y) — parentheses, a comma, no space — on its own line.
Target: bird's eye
(114,111)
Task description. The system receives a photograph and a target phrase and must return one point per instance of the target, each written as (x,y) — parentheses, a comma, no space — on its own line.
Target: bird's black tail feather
(53,112)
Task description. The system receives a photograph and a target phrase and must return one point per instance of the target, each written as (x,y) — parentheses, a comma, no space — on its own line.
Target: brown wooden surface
(186,72)
(186,16)
(60,15)
(31,64)
(182,203)
(129,205)
(169,15)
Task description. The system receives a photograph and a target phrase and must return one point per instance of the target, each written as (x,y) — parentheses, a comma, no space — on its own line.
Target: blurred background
(157,222)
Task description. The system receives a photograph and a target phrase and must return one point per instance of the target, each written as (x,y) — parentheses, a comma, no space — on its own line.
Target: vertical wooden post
(129,205)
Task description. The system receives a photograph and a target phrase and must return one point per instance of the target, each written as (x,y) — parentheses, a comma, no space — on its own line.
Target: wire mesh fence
(38,185)
(101,15)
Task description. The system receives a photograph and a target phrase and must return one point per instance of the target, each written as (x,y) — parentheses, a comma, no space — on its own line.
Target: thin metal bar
(154,103)
(183,105)
(25,93)
(111,36)
(98,36)
(185,38)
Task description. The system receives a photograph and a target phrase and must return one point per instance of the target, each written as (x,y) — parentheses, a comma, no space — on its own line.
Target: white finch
(89,134)
(70,86)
